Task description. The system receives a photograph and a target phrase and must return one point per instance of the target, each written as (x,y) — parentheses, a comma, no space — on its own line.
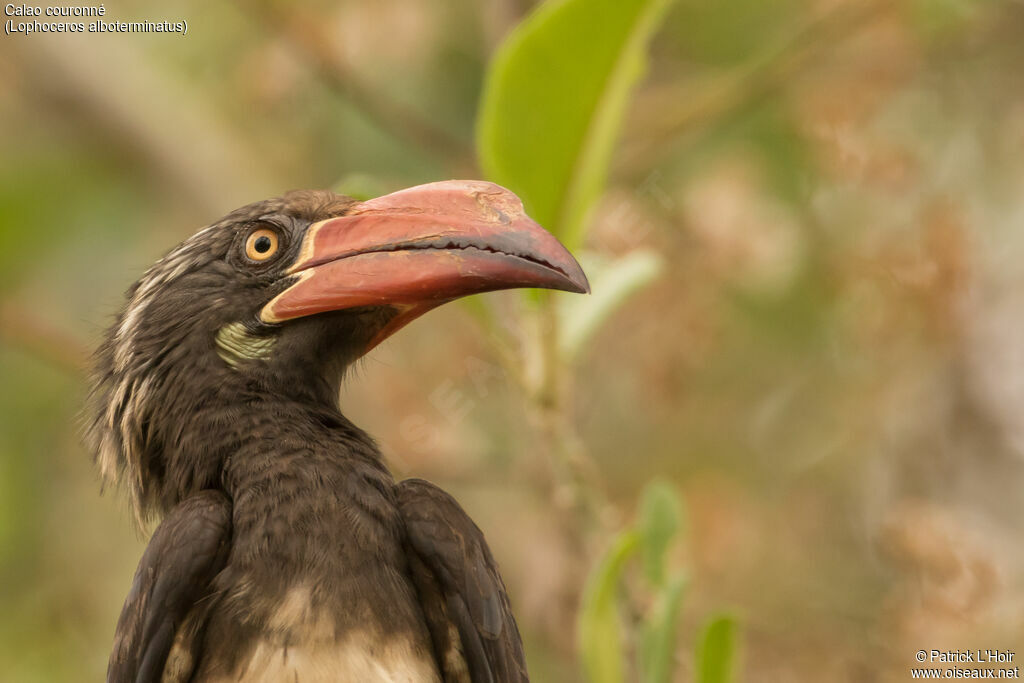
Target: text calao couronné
(98,25)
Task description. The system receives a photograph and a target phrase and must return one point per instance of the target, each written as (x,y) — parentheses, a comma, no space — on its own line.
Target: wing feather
(459,583)
(174,576)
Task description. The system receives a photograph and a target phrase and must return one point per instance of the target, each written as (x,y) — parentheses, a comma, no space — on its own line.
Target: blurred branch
(21,329)
(664,115)
(306,37)
(537,365)
(144,109)
(578,481)
(508,355)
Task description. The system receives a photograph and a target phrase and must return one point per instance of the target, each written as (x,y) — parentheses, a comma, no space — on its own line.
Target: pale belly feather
(354,659)
(301,646)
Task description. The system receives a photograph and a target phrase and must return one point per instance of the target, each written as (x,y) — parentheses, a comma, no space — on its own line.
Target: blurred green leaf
(553,102)
(659,636)
(363,186)
(728,32)
(939,18)
(29,201)
(478,307)
(661,515)
(600,640)
(716,650)
(612,283)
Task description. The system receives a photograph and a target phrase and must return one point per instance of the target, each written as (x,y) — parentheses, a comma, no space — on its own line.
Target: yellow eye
(261,244)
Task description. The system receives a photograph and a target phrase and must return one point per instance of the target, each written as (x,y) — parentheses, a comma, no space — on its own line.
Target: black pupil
(262,244)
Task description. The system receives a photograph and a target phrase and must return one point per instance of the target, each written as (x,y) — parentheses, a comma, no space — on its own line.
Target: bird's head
(276,300)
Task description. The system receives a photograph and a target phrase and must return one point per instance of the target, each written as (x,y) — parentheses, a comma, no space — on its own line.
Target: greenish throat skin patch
(235,343)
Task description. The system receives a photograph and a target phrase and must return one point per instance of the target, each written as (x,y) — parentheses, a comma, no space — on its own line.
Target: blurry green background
(830,367)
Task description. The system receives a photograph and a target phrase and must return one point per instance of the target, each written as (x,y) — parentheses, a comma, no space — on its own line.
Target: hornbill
(286,550)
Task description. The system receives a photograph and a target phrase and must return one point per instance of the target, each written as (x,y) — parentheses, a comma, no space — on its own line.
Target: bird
(285,549)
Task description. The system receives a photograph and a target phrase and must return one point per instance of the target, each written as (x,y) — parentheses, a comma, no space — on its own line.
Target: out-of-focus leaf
(611,284)
(716,650)
(478,308)
(600,640)
(661,515)
(659,636)
(939,18)
(764,133)
(63,192)
(363,186)
(728,32)
(553,102)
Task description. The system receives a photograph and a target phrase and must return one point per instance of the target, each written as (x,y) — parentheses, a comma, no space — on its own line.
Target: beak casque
(421,247)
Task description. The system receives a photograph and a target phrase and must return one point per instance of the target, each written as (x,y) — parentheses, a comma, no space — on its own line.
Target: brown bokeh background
(830,368)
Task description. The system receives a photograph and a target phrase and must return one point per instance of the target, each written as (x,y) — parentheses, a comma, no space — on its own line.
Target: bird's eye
(261,244)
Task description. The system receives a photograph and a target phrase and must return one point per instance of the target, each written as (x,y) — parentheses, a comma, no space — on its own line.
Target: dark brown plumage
(286,550)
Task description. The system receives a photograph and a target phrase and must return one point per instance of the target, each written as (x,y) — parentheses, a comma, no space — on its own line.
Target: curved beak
(421,247)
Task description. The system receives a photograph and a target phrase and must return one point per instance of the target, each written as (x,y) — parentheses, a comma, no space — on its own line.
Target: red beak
(418,248)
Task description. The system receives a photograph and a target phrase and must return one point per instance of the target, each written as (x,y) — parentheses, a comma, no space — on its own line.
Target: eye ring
(261,244)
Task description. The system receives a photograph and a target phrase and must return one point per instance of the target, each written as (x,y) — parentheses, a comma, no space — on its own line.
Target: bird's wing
(187,550)
(459,585)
